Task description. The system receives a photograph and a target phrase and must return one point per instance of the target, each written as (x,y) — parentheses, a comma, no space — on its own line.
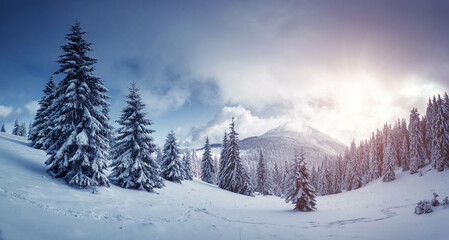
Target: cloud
(5,111)
(158,104)
(32,107)
(246,125)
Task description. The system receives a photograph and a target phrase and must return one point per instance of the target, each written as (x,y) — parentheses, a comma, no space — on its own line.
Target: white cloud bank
(32,107)
(5,111)
(247,125)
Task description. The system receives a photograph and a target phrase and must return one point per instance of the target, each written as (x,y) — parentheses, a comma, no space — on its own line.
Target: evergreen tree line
(425,140)
(409,147)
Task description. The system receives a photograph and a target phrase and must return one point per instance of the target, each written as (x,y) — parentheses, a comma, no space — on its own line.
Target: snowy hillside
(35,206)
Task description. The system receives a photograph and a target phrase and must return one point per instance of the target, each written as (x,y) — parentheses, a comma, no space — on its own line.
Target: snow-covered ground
(35,206)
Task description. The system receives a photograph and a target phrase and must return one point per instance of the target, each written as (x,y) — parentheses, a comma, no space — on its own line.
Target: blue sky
(344,67)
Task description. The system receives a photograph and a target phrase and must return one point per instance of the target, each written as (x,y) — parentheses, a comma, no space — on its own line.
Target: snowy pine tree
(277,181)
(221,182)
(16,130)
(302,194)
(39,130)
(186,160)
(207,164)
(428,140)
(440,146)
(23,130)
(29,130)
(133,164)
(263,186)
(405,154)
(416,142)
(379,151)
(3,128)
(172,167)
(374,172)
(389,158)
(235,177)
(80,148)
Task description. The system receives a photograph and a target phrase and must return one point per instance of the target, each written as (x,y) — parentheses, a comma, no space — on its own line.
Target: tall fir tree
(235,177)
(440,150)
(133,164)
(302,194)
(172,167)
(379,151)
(3,128)
(221,180)
(277,181)
(263,186)
(39,131)
(186,160)
(79,147)
(404,152)
(374,172)
(405,155)
(429,130)
(389,158)
(16,130)
(29,131)
(23,130)
(416,143)
(207,164)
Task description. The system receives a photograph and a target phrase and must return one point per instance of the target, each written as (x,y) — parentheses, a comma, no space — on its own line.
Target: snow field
(36,206)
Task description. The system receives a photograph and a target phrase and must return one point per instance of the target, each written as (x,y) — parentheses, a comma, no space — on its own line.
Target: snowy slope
(35,206)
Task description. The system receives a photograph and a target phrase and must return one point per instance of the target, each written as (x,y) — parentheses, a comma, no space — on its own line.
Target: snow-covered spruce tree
(29,130)
(38,131)
(172,167)
(3,128)
(302,194)
(16,129)
(159,155)
(263,186)
(288,180)
(379,151)
(416,143)
(216,164)
(358,180)
(323,180)
(79,147)
(221,182)
(404,152)
(389,158)
(23,130)
(196,165)
(429,130)
(277,181)
(373,168)
(338,174)
(207,164)
(446,129)
(235,177)
(133,164)
(440,150)
(188,175)
(345,171)
(405,155)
